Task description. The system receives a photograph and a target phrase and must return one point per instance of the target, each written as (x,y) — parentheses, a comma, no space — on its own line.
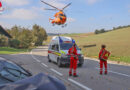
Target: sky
(83,15)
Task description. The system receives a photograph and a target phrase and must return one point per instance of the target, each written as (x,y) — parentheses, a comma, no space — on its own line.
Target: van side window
(57,47)
(53,47)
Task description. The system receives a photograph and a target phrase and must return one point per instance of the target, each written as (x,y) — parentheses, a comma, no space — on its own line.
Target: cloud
(129,10)
(16,2)
(22,14)
(5,25)
(91,18)
(92,1)
(70,20)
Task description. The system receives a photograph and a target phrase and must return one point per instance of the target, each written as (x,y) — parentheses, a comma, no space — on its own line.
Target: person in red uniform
(103,56)
(73,60)
(0,4)
(1,8)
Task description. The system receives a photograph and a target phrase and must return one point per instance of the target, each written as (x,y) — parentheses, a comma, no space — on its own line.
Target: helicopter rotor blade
(66,6)
(49,5)
(49,9)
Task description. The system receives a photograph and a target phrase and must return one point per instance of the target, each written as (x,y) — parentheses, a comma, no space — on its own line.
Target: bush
(100,31)
(14,43)
(3,40)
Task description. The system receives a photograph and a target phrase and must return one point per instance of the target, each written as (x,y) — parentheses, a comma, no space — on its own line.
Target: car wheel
(59,63)
(49,60)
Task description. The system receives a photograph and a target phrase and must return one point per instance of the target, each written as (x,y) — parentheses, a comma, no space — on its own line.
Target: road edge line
(79,84)
(56,72)
(44,64)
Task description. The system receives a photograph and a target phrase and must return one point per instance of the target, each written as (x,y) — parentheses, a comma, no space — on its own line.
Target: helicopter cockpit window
(61,18)
(61,14)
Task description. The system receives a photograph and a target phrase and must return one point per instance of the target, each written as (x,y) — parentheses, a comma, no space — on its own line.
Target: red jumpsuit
(73,60)
(102,53)
(0,4)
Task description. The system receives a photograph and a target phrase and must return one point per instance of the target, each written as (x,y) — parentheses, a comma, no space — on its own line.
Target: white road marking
(16,54)
(117,73)
(44,65)
(56,72)
(120,73)
(2,58)
(34,57)
(79,84)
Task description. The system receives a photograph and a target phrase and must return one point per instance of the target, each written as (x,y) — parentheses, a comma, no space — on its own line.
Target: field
(117,42)
(8,50)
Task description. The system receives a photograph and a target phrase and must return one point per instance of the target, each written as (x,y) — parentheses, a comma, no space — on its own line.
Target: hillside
(117,42)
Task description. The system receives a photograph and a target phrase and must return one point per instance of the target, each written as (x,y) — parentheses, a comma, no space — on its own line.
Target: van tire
(49,60)
(59,63)
(80,65)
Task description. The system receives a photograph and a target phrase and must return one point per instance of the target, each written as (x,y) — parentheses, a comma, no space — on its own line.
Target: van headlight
(64,56)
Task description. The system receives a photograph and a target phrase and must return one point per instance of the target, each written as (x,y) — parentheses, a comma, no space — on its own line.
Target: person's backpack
(104,56)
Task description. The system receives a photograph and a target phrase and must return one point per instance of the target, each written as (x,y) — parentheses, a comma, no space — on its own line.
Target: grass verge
(8,50)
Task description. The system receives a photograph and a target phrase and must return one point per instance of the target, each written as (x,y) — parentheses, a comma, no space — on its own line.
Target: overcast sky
(83,15)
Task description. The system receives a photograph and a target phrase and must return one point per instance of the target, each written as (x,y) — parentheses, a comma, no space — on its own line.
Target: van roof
(64,38)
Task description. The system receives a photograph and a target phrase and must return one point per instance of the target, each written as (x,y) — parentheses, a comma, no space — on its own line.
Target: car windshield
(67,46)
(10,72)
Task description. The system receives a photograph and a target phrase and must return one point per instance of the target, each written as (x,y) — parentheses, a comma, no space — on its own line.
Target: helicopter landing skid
(53,24)
(64,25)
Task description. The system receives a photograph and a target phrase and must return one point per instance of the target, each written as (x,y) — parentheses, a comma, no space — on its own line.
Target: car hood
(39,82)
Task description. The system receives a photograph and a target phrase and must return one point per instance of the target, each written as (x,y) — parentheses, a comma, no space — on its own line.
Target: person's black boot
(70,74)
(75,75)
(105,73)
(100,73)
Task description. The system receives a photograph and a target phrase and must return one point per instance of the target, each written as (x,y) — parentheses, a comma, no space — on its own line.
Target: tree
(14,43)
(25,38)
(39,35)
(3,40)
(14,32)
(102,31)
(97,32)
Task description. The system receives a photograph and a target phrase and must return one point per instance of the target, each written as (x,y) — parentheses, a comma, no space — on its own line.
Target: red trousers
(73,65)
(101,66)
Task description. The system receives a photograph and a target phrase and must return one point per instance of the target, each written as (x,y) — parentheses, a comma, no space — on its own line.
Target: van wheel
(49,60)
(80,65)
(59,63)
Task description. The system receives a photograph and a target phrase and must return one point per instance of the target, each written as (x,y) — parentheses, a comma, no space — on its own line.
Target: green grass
(8,50)
(117,42)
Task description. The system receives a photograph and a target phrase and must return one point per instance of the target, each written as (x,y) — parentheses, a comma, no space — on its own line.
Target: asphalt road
(36,61)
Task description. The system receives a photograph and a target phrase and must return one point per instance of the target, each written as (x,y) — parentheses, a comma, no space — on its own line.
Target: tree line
(24,37)
(114,28)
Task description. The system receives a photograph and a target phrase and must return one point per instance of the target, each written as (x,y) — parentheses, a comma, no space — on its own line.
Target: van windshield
(67,46)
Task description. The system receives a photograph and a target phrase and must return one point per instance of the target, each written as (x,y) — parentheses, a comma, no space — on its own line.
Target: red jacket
(73,52)
(104,54)
(0,4)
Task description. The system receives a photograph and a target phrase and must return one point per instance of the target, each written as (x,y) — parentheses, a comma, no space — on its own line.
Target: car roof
(64,38)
